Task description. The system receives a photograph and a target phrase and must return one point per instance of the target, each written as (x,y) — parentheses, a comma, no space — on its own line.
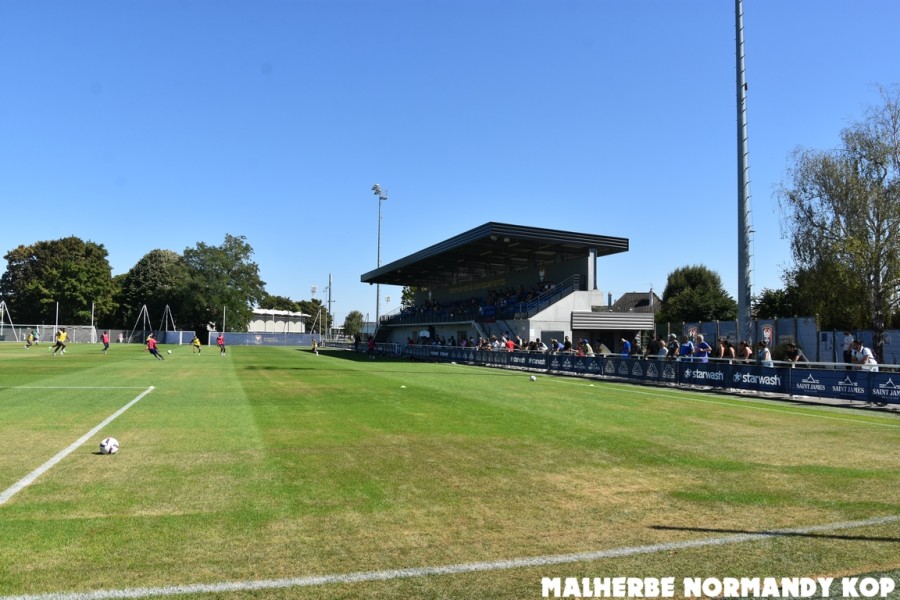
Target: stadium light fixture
(382,196)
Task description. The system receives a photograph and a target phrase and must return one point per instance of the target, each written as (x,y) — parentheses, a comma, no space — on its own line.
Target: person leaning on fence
(672,347)
(586,348)
(702,349)
(795,354)
(686,349)
(661,349)
(729,351)
(864,357)
(745,352)
(764,355)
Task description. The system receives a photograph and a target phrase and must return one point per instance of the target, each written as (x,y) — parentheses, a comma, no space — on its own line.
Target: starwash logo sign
(700,374)
(762,380)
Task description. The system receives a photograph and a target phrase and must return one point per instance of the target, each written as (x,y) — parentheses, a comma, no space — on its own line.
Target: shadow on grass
(827,536)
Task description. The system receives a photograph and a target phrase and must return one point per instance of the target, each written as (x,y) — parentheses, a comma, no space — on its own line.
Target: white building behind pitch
(269,320)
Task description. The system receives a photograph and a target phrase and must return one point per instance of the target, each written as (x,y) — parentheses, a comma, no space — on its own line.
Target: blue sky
(157,124)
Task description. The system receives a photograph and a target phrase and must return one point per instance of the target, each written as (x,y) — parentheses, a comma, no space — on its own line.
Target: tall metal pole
(330,328)
(376,189)
(745,318)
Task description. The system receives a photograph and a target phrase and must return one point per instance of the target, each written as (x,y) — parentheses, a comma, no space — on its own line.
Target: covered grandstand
(497,278)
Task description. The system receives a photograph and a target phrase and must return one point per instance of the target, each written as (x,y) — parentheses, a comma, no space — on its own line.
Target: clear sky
(146,124)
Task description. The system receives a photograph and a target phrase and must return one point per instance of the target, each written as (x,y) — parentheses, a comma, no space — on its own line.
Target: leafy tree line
(841,215)
(198,286)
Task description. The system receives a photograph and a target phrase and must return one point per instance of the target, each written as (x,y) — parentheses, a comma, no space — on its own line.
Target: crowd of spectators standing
(513,343)
(671,347)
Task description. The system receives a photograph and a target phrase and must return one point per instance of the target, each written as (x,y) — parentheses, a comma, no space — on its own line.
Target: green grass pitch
(276,465)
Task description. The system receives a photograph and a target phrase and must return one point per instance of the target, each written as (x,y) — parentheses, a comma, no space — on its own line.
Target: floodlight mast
(382,196)
(745,318)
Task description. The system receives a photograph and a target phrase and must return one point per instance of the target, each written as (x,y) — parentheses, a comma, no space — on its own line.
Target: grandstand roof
(489,250)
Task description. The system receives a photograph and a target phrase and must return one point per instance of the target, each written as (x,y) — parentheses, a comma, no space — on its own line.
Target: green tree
(353,323)
(408,296)
(319,319)
(827,290)
(773,304)
(279,303)
(159,278)
(74,273)
(694,294)
(224,284)
(842,206)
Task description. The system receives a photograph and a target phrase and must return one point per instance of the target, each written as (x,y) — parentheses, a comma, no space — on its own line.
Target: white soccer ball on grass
(109,445)
(533,378)
(169,351)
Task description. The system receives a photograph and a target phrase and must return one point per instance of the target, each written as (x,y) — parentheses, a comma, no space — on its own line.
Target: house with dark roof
(642,302)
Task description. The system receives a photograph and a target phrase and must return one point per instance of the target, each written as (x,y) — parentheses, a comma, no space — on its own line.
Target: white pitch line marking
(71,387)
(516,563)
(29,479)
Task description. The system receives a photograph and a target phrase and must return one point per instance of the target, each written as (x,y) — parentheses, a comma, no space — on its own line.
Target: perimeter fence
(817,380)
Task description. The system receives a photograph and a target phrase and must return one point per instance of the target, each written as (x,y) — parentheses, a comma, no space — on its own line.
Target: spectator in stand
(626,348)
(795,354)
(745,352)
(636,350)
(567,344)
(702,349)
(672,347)
(586,347)
(764,355)
(729,351)
(686,349)
(848,348)
(662,349)
(864,357)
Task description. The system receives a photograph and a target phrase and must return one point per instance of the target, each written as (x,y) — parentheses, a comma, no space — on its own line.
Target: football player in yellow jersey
(61,337)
